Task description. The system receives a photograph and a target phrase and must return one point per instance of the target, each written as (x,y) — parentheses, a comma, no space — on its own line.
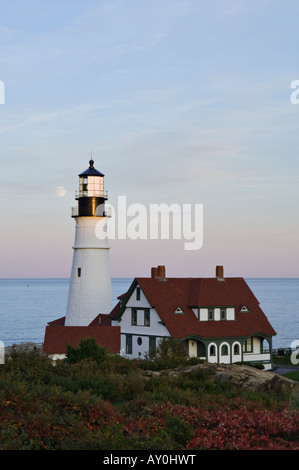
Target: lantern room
(91,183)
(91,195)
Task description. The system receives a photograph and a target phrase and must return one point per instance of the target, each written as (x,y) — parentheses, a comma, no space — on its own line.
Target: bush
(134,384)
(169,354)
(87,349)
(179,430)
(89,405)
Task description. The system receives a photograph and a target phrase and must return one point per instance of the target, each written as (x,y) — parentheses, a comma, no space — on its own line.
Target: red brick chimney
(158,273)
(161,272)
(219,273)
(154,273)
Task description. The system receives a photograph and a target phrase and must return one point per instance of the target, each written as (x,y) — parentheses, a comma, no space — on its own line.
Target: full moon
(60,191)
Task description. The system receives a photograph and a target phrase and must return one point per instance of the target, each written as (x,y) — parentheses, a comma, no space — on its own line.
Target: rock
(242,376)
(254,379)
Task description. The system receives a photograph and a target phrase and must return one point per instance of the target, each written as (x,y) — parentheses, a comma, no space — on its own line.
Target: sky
(179,102)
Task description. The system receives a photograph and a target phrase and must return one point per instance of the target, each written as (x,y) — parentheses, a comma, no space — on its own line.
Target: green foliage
(109,403)
(293,375)
(256,365)
(178,429)
(169,354)
(285,359)
(87,349)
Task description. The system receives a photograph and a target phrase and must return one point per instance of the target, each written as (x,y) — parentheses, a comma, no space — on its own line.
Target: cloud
(31,120)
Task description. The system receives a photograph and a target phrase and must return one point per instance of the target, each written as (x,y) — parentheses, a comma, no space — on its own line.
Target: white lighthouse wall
(90,290)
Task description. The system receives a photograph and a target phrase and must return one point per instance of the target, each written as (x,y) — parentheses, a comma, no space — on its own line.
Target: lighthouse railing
(100,211)
(75,211)
(91,193)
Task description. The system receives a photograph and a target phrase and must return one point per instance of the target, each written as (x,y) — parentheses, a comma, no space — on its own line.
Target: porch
(231,350)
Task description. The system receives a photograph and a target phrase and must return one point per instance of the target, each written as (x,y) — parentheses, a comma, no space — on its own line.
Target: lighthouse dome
(91,171)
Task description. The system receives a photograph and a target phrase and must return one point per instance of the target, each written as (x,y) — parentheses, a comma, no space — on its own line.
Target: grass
(292,375)
(283,360)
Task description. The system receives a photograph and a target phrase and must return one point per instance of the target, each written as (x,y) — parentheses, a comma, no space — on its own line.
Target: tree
(87,349)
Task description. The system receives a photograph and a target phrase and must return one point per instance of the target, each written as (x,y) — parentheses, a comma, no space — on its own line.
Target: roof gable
(120,307)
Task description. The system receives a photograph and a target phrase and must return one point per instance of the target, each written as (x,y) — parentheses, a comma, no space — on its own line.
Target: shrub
(135,383)
(88,348)
(46,405)
(179,430)
(169,354)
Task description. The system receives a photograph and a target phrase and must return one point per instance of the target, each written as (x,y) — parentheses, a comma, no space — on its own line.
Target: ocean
(27,305)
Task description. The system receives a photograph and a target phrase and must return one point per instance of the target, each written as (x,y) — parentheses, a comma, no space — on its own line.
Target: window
(236,349)
(139,341)
(146,317)
(129,344)
(216,313)
(78,272)
(212,350)
(224,350)
(134,317)
(137,293)
(152,346)
(140,317)
(247,347)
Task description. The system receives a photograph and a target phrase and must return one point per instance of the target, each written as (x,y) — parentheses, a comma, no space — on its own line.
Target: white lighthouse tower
(90,291)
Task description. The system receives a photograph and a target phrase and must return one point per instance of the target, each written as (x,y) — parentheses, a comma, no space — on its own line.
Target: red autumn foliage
(47,407)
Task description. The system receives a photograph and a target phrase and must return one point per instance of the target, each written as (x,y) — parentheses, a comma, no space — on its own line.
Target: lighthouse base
(90,291)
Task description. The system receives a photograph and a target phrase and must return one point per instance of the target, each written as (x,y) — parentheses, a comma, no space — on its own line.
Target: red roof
(166,295)
(58,337)
(58,321)
(101,320)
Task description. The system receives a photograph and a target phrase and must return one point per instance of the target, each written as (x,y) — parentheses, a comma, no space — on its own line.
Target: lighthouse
(90,291)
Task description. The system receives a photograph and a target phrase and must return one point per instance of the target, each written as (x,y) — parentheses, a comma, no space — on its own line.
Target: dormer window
(179,310)
(244,309)
(213,313)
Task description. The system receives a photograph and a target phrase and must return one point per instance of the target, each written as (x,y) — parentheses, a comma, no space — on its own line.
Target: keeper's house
(218,319)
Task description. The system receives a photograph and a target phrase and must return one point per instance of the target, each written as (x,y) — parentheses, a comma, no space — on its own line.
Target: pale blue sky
(181,101)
